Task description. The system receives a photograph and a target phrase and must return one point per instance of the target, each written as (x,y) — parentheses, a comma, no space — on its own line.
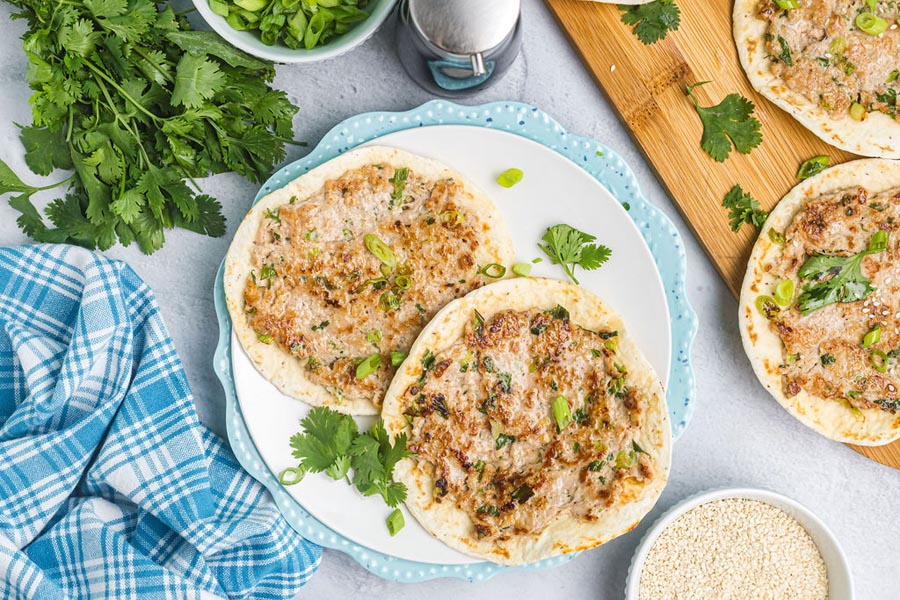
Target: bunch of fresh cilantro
(331,443)
(138,106)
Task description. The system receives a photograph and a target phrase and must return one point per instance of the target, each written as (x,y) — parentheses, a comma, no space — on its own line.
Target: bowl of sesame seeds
(739,544)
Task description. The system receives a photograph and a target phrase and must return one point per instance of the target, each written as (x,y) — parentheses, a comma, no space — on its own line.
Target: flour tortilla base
(283,370)
(763,345)
(566,534)
(878,135)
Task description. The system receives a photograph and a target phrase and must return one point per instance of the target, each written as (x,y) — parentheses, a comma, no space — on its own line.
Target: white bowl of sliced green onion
(295,31)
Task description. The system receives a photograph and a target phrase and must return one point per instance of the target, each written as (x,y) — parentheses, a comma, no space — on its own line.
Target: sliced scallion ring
(857,111)
(879,360)
(395,522)
(403,282)
(813,166)
(784,292)
(767,306)
(510,177)
(493,270)
(870,23)
(397,358)
(776,237)
(872,338)
(381,250)
(291,475)
(368,366)
(787,4)
(522,269)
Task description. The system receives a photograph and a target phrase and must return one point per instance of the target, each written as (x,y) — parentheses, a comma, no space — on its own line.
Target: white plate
(553,190)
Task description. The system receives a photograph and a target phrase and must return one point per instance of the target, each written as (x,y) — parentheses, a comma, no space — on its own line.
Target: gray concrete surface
(738,436)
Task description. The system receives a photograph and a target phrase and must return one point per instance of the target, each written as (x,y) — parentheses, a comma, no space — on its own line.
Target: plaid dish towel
(109,485)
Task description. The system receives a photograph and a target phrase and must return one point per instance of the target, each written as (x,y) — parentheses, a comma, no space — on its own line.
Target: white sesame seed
(734,548)
(612,68)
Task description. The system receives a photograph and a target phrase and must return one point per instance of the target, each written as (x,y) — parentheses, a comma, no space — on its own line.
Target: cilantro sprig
(568,247)
(331,443)
(743,208)
(653,20)
(837,278)
(138,106)
(728,123)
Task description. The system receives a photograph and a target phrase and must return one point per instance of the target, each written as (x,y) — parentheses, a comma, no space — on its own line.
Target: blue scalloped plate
(602,164)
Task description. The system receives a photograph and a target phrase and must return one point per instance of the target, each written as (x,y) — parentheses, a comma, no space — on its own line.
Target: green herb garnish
(837,278)
(397,358)
(492,270)
(743,208)
(827,359)
(727,123)
(651,21)
(380,250)
(509,177)
(331,443)
(567,246)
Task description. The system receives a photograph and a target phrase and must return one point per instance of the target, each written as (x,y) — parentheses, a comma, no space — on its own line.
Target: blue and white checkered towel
(109,485)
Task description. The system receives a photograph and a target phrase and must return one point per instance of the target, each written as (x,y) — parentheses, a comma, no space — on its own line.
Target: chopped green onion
(787,4)
(813,166)
(397,358)
(389,301)
(292,475)
(871,4)
(492,270)
(626,459)
(522,493)
(857,111)
(871,338)
(265,338)
(776,237)
(395,522)
(399,181)
(522,269)
(871,24)
(767,306)
(561,412)
(403,282)
(368,366)
(381,250)
(893,76)
(374,336)
(784,292)
(881,364)
(510,177)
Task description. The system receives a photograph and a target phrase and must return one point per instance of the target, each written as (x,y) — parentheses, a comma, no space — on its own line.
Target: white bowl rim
(282,54)
(838,562)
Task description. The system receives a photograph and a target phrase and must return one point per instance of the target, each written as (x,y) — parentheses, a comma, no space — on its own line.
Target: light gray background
(739,436)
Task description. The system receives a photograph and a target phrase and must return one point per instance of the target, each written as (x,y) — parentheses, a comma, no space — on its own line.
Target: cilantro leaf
(743,209)
(45,150)
(653,20)
(196,79)
(846,283)
(327,437)
(331,443)
(729,122)
(568,247)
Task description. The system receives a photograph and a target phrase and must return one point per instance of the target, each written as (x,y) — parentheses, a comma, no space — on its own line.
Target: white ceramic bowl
(249,41)
(840,584)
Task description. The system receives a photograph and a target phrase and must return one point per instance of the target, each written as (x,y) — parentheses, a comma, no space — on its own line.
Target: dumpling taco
(832,65)
(538,427)
(820,304)
(330,279)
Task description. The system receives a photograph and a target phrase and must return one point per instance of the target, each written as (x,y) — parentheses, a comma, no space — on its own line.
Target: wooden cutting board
(646,86)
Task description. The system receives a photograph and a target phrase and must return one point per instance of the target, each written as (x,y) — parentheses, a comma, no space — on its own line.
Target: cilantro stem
(121,91)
